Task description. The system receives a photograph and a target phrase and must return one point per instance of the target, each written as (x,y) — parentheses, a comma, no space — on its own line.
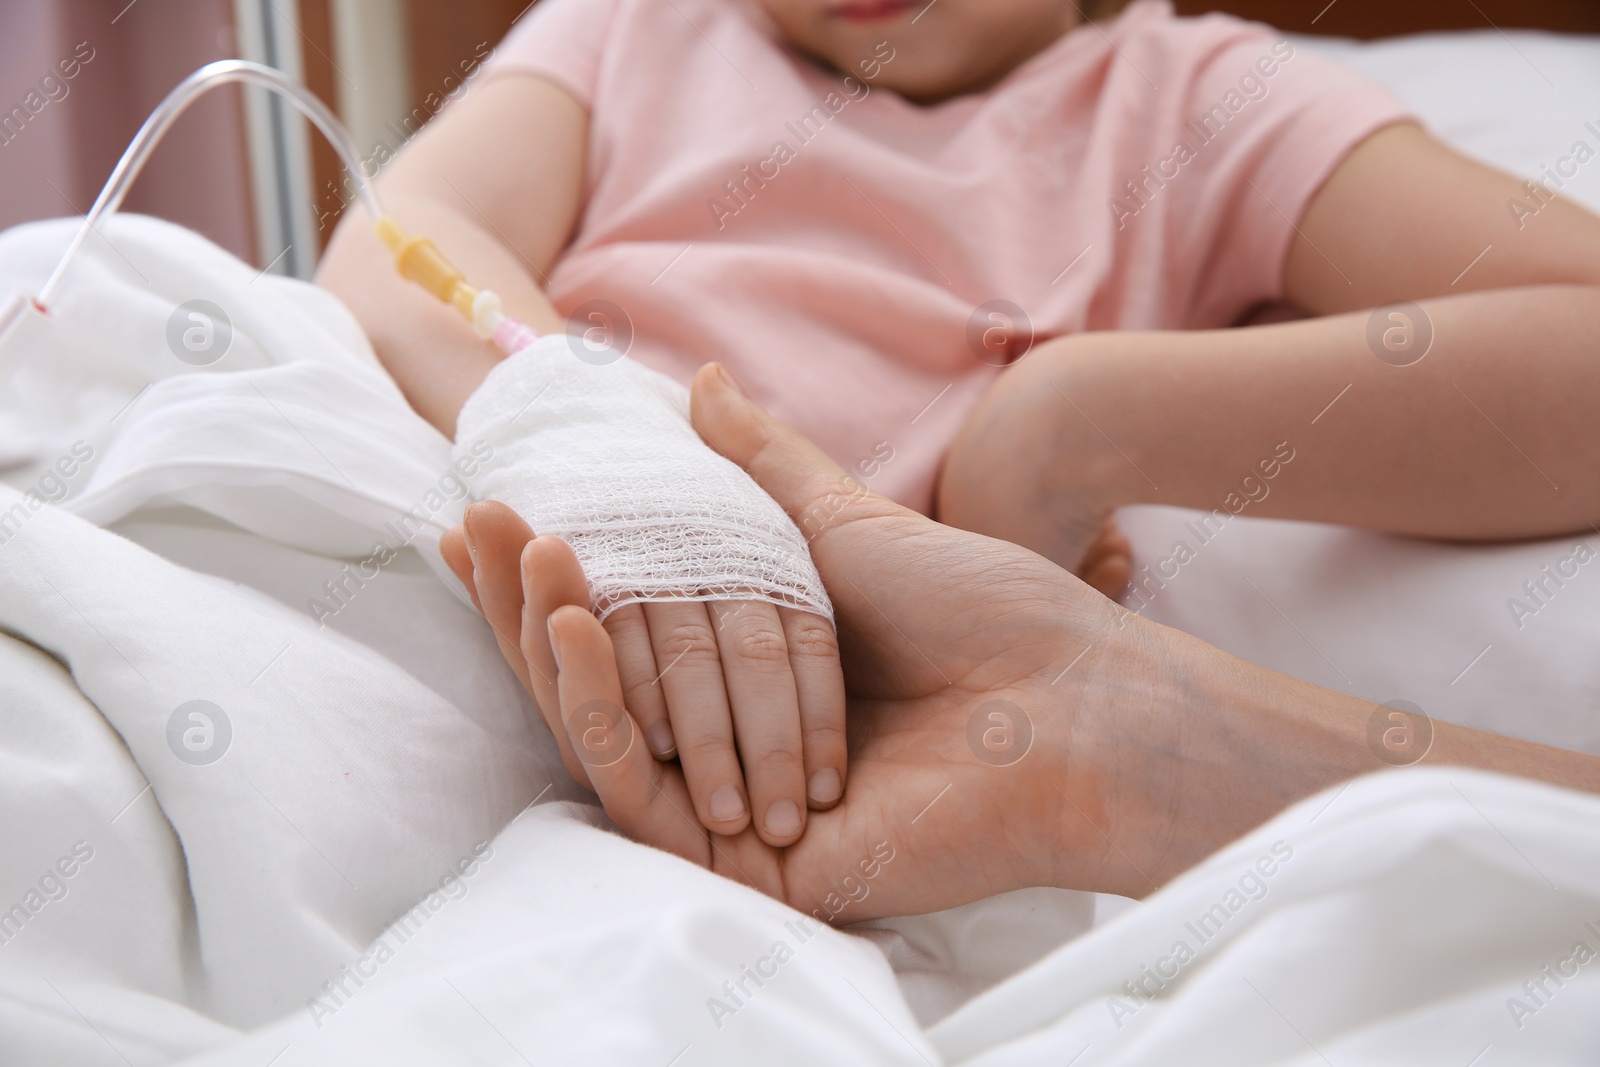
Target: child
(868,208)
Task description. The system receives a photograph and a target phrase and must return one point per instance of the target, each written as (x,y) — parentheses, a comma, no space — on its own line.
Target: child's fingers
(819,683)
(702,722)
(1109,576)
(766,716)
(644,797)
(1110,541)
(551,578)
(636,667)
(1108,565)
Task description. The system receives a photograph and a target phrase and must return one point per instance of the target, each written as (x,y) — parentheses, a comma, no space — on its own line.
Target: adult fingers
(551,578)
(814,490)
(692,682)
(453,550)
(636,667)
(494,536)
(819,683)
(766,715)
(510,594)
(644,797)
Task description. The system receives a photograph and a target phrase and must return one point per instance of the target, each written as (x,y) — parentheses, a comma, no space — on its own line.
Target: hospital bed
(241,830)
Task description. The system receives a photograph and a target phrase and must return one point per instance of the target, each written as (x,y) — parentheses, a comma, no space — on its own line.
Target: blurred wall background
(1368,19)
(77,77)
(60,136)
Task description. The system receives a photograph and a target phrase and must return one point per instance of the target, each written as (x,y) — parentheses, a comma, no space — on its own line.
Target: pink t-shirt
(841,249)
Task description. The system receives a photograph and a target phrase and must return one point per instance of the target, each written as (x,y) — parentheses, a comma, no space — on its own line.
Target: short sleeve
(562,40)
(1266,124)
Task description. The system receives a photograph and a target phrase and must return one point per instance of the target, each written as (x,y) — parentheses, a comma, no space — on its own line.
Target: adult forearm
(1252,742)
(1489,435)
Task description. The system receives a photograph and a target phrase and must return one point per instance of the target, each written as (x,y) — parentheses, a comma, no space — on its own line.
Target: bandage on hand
(722,629)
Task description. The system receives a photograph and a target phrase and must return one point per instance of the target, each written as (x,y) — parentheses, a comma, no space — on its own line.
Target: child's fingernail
(726,804)
(555,642)
(824,787)
(659,738)
(728,378)
(783,818)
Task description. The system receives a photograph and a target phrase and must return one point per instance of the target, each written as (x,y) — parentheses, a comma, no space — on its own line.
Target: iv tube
(173,105)
(416,258)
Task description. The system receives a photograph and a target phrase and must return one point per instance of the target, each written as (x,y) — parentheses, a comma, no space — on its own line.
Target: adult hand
(1009,727)
(974,668)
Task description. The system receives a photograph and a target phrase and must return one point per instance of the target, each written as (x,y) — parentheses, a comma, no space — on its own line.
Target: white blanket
(261,769)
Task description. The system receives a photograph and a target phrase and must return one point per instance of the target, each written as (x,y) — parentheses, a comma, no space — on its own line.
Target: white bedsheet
(381,760)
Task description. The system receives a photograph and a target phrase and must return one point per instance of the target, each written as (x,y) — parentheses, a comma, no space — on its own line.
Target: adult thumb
(816,492)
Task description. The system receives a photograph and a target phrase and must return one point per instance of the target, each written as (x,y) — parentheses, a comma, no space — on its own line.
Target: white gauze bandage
(597,449)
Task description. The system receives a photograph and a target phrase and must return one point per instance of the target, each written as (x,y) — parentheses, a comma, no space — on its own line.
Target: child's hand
(749,696)
(1021,472)
(1077,536)
(1108,565)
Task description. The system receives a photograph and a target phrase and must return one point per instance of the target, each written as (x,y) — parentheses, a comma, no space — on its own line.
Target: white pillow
(1518,100)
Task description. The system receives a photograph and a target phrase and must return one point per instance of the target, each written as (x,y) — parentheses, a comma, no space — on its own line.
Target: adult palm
(968,668)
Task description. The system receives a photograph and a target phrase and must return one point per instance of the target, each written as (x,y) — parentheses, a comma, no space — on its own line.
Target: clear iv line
(174,104)
(416,258)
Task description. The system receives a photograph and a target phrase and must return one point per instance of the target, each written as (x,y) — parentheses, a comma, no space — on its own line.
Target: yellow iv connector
(419,260)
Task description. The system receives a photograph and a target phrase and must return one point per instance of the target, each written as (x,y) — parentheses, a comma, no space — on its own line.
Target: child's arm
(1490,435)
(496,181)
(751,696)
